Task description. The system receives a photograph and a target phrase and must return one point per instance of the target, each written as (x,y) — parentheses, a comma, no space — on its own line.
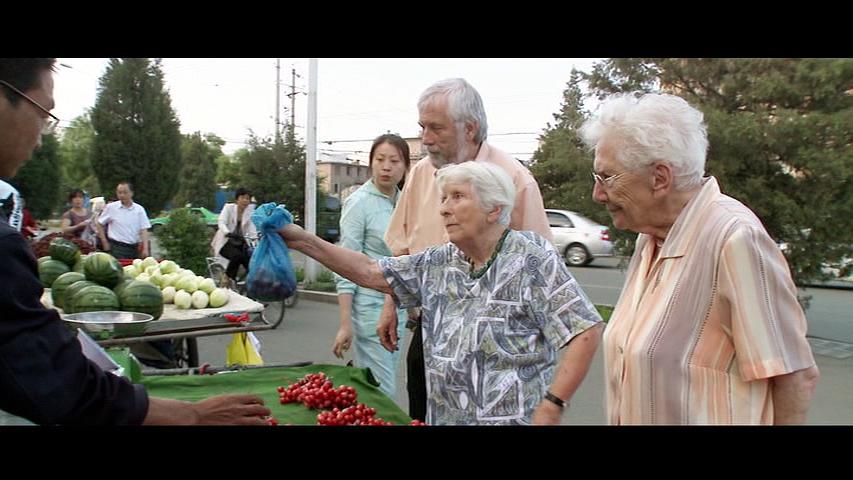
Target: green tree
(75,153)
(561,165)
(137,136)
(198,177)
(779,132)
(228,169)
(186,240)
(38,180)
(275,172)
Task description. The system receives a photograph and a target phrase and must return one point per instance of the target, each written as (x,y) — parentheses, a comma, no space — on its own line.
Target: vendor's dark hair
(23,74)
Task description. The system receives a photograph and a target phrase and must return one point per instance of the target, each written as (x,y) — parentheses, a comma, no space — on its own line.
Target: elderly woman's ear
(664,181)
(494,214)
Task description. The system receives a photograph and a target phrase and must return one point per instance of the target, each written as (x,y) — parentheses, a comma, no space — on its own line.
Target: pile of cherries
(339,406)
(315,391)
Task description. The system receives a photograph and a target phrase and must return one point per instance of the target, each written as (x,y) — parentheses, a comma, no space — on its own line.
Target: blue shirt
(364,219)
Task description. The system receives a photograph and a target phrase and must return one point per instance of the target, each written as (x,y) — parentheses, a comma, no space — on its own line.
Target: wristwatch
(554,399)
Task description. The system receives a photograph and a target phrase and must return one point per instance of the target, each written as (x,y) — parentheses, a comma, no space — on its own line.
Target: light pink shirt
(697,340)
(417,225)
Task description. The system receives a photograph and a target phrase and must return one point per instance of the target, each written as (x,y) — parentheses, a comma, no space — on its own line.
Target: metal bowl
(103,325)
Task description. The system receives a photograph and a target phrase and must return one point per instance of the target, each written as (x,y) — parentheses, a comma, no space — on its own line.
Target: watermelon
(142,297)
(125,281)
(78,266)
(44,259)
(57,289)
(64,250)
(94,298)
(72,290)
(50,270)
(103,269)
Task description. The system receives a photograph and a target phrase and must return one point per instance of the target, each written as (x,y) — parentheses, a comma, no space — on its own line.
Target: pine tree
(198,177)
(137,132)
(38,180)
(75,154)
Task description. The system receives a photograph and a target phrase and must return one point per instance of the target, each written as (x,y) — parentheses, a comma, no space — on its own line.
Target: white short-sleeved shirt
(124,222)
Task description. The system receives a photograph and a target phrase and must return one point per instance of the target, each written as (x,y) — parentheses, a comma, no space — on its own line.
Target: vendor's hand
(232,410)
(343,340)
(547,413)
(387,329)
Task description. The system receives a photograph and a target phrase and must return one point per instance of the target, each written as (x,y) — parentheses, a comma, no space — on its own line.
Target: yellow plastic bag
(242,350)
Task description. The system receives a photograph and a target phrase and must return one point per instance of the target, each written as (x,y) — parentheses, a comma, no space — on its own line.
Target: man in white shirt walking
(128,225)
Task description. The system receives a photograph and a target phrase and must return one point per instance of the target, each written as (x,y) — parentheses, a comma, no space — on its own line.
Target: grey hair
(464,104)
(491,184)
(651,128)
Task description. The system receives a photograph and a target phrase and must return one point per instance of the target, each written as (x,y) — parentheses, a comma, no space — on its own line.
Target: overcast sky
(357,99)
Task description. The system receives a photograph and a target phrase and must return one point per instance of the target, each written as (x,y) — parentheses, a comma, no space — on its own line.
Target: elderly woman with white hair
(497,304)
(707,329)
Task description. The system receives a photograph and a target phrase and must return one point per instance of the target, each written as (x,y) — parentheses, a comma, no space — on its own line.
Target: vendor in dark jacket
(44,376)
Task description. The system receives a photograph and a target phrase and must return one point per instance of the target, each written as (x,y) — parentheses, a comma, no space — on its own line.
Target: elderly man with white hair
(497,304)
(707,329)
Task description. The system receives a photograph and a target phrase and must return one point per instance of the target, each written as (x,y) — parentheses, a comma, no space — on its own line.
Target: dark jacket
(44,376)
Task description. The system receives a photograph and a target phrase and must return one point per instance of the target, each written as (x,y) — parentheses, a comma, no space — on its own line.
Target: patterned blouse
(490,343)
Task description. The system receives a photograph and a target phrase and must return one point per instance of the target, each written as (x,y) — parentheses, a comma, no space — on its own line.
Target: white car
(578,238)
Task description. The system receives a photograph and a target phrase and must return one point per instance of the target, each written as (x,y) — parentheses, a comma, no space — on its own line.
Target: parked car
(578,238)
(210,219)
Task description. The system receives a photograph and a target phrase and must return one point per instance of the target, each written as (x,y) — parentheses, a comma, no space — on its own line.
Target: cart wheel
(186,352)
(274,312)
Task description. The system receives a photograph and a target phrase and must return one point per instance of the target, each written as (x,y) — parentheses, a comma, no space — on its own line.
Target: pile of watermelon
(94,282)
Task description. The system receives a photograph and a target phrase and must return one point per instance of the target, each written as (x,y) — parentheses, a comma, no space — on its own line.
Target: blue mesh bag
(271,276)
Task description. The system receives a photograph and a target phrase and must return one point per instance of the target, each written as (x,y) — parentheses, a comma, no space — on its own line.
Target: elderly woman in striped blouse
(707,329)
(498,305)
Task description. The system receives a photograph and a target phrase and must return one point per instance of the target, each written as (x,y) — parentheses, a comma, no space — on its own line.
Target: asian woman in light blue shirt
(364,219)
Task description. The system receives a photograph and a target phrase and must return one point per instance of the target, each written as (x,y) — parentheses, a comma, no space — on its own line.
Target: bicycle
(217,272)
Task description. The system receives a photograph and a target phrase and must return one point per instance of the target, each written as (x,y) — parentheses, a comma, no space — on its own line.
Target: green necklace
(475,274)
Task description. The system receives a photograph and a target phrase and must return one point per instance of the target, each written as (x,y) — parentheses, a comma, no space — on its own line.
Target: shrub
(186,240)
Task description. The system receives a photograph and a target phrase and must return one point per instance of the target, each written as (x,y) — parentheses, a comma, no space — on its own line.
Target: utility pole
(277,95)
(311,165)
(293,98)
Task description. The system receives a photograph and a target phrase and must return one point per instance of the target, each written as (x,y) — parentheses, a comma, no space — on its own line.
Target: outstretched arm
(354,266)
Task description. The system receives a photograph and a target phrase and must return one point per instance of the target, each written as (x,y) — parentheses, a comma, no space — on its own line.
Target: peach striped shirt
(697,340)
(417,225)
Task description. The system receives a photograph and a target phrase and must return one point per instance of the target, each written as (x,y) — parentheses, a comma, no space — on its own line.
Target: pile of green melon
(178,285)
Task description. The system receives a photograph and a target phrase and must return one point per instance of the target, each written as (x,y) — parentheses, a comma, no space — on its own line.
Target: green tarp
(263,382)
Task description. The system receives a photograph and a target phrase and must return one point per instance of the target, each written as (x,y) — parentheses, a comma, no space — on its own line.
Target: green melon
(142,297)
(50,270)
(71,291)
(94,298)
(64,250)
(61,284)
(103,269)
(44,259)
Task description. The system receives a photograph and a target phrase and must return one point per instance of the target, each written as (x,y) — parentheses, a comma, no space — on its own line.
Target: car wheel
(577,255)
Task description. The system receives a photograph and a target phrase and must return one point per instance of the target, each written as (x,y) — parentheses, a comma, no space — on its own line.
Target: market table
(190,323)
(262,381)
